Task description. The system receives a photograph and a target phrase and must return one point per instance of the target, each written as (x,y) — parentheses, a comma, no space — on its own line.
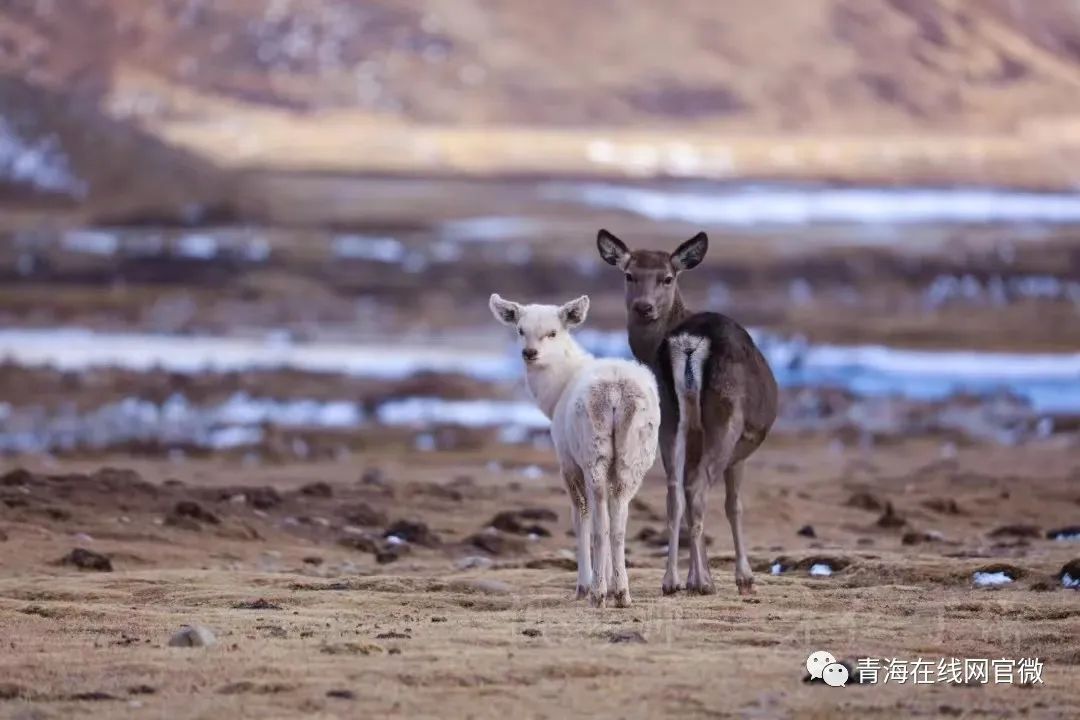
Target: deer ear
(612,249)
(690,254)
(573,313)
(505,311)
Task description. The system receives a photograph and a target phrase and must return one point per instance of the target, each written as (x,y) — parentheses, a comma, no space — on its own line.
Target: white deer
(605,418)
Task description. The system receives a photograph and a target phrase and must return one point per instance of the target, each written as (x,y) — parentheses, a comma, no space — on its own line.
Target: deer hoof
(597,599)
(706,588)
(670,589)
(581,593)
(745,585)
(622,599)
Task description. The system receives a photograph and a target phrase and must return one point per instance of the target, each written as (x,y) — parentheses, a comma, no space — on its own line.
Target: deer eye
(521,332)
(551,334)
(629,277)
(668,280)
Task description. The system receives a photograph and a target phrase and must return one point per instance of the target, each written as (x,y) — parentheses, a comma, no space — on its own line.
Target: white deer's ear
(573,313)
(505,311)
(690,254)
(612,249)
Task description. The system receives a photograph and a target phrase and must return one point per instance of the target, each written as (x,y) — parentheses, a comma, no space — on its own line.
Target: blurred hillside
(857,90)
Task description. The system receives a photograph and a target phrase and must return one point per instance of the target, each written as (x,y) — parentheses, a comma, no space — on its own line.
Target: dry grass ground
(420,637)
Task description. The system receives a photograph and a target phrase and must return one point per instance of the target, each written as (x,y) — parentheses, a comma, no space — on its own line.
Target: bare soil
(316,613)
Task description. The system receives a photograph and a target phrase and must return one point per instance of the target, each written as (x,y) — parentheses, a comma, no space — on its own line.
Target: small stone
(18,476)
(262,498)
(473,562)
(195,511)
(413,531)
(497,543)
(865,501)
(889,518)
(87,560)
(374,476)
(92,696)
(807,531)
(393,635)
(360,542)
(317,489)
(363,514)
(916,537)
(1017,530)
(1071,532)
(192,636)
(391,553)
(945,506)
(260,604)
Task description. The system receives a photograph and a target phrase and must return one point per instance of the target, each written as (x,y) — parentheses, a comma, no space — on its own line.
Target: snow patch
(779,205)
(39,163)
(369,247)
(991,579)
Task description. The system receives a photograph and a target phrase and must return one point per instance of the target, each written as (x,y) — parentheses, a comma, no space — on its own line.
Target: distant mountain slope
(798,68)
(61,150)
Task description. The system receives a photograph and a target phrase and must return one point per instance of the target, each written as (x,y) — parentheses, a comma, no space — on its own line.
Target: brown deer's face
(651,275)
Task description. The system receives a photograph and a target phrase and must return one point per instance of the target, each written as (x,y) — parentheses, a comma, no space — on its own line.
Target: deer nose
(645,309)
(529,353)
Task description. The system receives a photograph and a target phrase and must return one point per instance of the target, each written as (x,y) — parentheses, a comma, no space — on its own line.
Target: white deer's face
(542,330)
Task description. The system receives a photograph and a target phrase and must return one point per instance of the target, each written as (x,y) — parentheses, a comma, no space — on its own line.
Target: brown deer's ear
(505,311)
(573,313)
(690,254)
(612,249)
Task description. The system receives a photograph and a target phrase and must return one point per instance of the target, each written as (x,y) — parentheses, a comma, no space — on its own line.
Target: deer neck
(645,338)
(548,382)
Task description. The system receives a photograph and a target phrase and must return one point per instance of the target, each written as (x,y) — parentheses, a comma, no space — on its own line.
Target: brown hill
(61,151)
(329,83)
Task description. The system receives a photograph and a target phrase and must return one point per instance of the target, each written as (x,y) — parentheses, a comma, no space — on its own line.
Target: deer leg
(692,573)
(744,576)
(582,520)
(697,492)
(620,584)
(674,523)
(601,530)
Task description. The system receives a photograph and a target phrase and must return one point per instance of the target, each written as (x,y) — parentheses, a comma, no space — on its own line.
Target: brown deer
(718,398)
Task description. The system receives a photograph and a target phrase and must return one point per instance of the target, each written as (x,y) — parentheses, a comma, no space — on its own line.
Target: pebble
(193,636)
(87,560)
(473,562)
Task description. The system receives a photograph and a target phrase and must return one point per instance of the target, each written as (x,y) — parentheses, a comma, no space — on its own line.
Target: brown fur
(738,400)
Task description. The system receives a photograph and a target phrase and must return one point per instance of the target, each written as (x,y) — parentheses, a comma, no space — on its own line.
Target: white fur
(605,418)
